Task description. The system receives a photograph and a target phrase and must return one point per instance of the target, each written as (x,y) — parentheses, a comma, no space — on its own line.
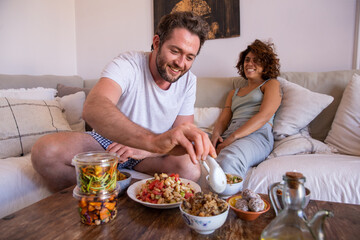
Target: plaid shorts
(104,142)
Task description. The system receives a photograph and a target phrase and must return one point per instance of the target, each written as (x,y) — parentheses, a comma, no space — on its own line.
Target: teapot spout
(316,224)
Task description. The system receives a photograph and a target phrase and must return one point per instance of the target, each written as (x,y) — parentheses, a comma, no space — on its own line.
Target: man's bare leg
(171,164)
(52,154)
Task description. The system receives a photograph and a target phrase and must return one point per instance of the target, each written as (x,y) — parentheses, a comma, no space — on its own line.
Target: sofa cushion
(63,90)
(38,93)
(345,130)
(301,143)
(205,118)
(299,106)
(21,185)
(330,177)
(332,83)
(22,122)
(73,106)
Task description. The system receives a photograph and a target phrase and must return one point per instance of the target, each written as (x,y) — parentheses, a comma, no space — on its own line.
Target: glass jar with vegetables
(96,172)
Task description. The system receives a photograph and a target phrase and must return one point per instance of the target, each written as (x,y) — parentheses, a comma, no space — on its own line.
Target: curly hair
(188,20)
(265,52)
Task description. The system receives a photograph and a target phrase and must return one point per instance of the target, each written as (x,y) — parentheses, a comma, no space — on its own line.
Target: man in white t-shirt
(141,109)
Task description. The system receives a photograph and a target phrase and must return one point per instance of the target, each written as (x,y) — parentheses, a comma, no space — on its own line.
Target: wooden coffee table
(57,217)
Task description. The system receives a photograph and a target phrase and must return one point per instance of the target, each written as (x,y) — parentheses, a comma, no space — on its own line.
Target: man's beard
(161,67)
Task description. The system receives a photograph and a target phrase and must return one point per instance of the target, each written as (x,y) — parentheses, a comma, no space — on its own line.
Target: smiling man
(141,109)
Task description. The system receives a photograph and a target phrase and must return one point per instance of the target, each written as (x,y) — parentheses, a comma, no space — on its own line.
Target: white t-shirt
(142,101)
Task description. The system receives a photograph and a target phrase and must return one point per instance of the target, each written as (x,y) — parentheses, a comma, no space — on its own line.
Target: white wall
(67,37)
(310,35)
(106,28)
(37,37)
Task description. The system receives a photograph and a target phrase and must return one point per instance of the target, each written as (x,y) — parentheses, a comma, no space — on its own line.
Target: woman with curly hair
(243,132)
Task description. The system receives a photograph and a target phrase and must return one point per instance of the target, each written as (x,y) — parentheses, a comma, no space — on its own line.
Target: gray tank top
(245,107)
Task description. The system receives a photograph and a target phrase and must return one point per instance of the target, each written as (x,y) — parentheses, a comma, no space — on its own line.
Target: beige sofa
(330,176)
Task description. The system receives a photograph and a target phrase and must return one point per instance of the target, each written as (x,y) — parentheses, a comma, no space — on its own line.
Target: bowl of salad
(233,186)
(162,191)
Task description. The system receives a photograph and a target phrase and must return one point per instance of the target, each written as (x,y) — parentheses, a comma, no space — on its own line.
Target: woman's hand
(215,139)
(125,152)
(224,144)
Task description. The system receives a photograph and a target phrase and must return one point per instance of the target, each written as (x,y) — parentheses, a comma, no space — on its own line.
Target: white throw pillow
(299,106)
(38,93)
(205,118)
(22,122)
(345,129)
(73,105)
(301,143)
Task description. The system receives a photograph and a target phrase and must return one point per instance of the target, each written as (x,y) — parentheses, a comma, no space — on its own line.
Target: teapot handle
(205,166)
(273,197)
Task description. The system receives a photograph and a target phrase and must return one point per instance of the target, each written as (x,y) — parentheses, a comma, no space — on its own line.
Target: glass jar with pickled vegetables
(96,172)
(97,209)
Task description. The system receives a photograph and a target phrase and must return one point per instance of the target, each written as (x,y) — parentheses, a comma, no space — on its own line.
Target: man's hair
(188,20)
(265,52)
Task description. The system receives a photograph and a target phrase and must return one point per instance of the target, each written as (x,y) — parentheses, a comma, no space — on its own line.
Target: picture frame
(223,16)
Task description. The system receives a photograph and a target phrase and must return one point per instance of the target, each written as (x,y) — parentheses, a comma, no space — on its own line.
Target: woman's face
(252,67)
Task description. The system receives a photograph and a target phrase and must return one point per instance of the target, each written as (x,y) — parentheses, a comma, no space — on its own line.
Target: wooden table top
(57,217)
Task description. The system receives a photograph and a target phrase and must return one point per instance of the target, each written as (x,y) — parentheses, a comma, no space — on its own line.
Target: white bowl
(231,189)
(124,184)
(204,225)
(135,189)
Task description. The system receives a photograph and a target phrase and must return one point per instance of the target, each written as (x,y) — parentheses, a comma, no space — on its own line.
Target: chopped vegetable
(165,189)
(120,176)
(231,179)
(96,211)
(97,179)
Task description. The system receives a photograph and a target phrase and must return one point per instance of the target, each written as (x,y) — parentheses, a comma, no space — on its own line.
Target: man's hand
(125,152)
(185,138)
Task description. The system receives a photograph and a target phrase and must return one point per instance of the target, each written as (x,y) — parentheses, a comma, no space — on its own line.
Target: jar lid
(94,158)
(104,195)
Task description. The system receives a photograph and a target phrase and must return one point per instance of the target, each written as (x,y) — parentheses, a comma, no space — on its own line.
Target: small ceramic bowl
(246,215)
(231,189)
(124,184)
(307,197)
(204,225)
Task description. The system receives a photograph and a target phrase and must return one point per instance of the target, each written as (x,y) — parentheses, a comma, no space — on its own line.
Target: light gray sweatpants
(245,152)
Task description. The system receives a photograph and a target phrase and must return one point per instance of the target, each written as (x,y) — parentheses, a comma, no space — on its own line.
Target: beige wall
(81,36)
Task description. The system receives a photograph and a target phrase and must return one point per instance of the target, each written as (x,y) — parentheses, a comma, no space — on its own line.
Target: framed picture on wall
(223,16)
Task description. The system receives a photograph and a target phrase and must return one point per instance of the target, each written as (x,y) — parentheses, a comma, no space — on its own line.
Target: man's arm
(183,119)
(124,152)
(101,113)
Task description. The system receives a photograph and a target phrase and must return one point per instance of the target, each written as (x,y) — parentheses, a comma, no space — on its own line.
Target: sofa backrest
(212,92)
(31,81)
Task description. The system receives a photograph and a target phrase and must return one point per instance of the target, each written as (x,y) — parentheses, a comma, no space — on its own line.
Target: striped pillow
(22,122)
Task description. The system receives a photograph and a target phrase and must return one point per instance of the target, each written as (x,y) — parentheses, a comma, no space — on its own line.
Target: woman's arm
(223,120)
(269,105)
